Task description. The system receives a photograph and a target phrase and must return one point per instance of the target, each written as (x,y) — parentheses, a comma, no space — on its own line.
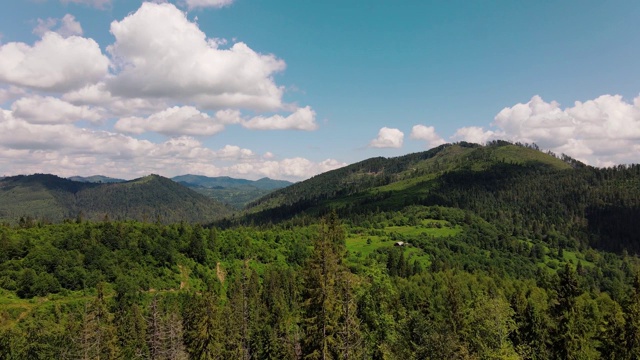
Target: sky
(290,89)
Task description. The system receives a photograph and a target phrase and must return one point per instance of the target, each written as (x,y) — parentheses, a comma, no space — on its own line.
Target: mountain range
(51,198)
(510,185)
(234,192)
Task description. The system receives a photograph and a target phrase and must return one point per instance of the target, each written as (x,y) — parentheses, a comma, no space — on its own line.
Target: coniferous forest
(462,252)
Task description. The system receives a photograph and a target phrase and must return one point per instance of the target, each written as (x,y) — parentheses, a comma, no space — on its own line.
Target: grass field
(361,245)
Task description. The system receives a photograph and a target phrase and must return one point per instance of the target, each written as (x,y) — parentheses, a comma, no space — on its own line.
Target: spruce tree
(321,298)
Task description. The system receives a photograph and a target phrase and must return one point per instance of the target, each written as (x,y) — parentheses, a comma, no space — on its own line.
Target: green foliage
(506,255)
(48,198)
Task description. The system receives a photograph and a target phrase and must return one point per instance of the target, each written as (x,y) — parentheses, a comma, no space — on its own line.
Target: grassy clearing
(363,244)
(519,155)
(552,263)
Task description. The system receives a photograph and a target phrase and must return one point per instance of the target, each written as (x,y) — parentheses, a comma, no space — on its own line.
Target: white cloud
(194,4)
(291,168)
(11,93)
(162,74)
(44,26)
(388,138)
(301,119)
(185,120)
(68,26)
(473,134)
(545,122)
(428,134)
(50,110)
(99,95)
(66,150)
(601,132)
(54,63)
(159,53)
(232,152)
(98,4)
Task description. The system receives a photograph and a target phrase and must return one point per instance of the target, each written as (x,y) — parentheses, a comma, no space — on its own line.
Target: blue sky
(289,89)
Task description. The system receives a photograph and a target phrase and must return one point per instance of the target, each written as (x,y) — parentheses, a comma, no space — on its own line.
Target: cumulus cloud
(11,93)
(301,119)
(118,106)
(232,152)
(290,168)
(162,74)
(473,134)
(388,138)
(54,63)
(159,53)
(50,110)
(428,134)
(67,150)
(68,26)
(194,4)
(185,120)
(601,132)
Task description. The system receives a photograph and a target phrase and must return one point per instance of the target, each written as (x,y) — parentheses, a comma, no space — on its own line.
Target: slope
(151,198)
(235,192)
(385,177)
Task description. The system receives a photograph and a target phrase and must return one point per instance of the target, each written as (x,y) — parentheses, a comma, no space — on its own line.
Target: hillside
(389,176)
(235,192)
(513,187)
(51,198)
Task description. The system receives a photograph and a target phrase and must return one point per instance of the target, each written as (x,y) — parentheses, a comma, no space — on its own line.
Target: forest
(332,289)
(466,252)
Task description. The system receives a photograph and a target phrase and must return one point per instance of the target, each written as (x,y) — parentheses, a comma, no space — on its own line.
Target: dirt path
(220,273)
(184,277)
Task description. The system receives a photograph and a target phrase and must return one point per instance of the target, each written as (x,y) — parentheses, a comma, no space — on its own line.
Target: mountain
(235,192)
(517,188)
(153,197)
(96,179)
(393,176)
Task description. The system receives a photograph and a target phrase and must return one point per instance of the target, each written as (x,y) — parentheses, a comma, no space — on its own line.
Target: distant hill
(51,198)
(96,179)
(235,192)
(393,176)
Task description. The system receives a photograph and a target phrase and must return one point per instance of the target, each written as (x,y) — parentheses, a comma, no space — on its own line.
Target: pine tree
(568,336)
(321,304)
(156,336)
(633,321)
(202,327)
(98,338)
(350,336)
(129,321)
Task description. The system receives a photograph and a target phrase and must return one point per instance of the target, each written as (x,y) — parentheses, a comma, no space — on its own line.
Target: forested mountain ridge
(229,182)
(235,192)
(516,187)
(406,170)
(50,198)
